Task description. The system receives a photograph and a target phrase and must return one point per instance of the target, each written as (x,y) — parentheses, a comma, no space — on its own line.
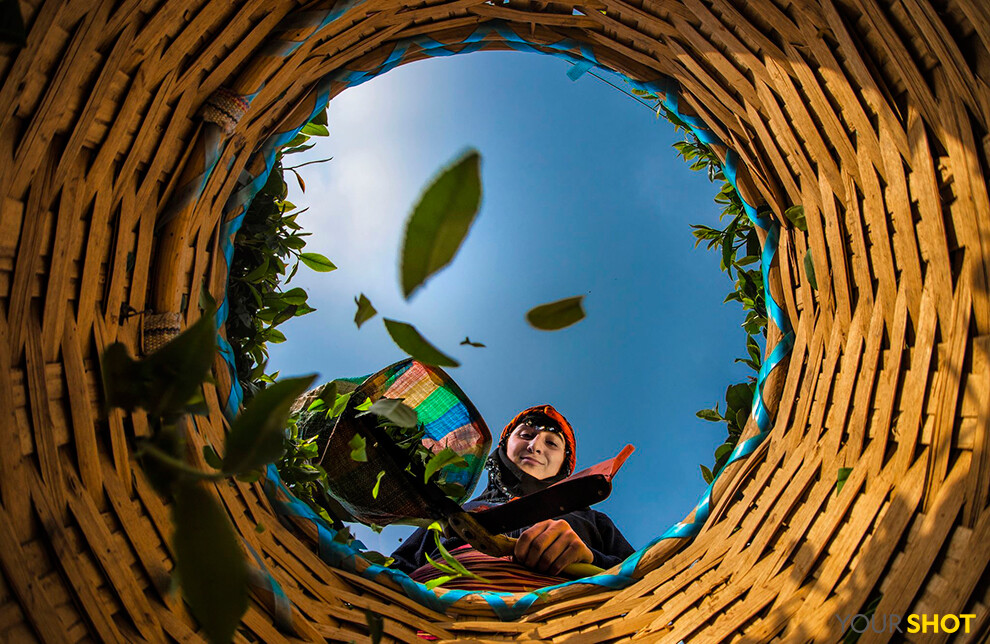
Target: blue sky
(583,195)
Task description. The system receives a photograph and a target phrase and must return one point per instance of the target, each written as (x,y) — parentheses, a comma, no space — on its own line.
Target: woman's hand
(550,546)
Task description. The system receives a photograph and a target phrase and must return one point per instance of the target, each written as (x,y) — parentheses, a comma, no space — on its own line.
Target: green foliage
(210,564)
(451,566)
(168,383)
(444,457)
(809,270)
(268,250)
(407,338)
(841,478)
(256,436)
(737,244)
(376,626)
(440,221)
(317,262)
(795,214)
(359,448)
(467,341)
(556,315)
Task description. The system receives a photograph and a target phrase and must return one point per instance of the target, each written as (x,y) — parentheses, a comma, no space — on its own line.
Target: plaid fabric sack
(447,418)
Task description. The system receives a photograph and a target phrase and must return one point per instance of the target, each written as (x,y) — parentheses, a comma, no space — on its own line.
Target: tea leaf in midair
(358,449)
(209,562)
(378,482)
(440,221)
(365,310)
(468,342)
(415,345)
(557,315)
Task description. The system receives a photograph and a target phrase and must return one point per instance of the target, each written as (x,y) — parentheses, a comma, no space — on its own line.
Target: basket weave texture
(132,136)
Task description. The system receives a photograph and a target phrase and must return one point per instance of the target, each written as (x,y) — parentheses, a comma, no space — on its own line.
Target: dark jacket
(594,528)
(505,480)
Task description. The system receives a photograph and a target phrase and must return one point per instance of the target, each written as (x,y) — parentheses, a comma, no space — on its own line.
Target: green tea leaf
(723,449)
(415,345)
(315,129)
(211,457)
(453,563)
(365,406)
(358,449)
(317,262)
(295,296)
(468,342)
(256,435)
(433,583)
(795,214)
(739,396)
(123,378)
(365,311)
(377,558)
(376,626)
(440,221)
(809,269)
(753,349)
(707,474)
(258,273)
(841,477)
(446,456)
(709,414)
(176,372)
(378,482)
(742,415)
(394,410)
(209,562)
(339,404)
(557,315)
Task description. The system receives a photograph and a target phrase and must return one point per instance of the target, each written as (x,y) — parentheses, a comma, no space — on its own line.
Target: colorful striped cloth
(504,574)
(448,419)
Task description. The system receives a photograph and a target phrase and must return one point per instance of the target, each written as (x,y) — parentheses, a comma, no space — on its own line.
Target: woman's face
(538,453)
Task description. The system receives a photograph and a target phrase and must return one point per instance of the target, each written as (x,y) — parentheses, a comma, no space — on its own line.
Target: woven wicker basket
(127,129)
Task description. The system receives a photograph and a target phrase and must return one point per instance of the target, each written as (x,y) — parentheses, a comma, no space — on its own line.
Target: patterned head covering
(548,417)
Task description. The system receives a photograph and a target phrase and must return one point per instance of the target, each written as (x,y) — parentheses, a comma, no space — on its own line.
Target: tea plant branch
(303,165)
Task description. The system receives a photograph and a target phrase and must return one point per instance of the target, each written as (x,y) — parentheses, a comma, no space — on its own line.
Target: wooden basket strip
(30,595)
(95,611)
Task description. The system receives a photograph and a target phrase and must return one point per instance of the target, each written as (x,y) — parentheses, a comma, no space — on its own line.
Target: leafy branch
(268,250)
(168,385)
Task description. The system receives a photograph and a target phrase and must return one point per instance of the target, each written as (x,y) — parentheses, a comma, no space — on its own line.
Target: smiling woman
(136,137)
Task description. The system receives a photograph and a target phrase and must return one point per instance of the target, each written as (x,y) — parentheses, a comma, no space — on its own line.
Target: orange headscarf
(565,429)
